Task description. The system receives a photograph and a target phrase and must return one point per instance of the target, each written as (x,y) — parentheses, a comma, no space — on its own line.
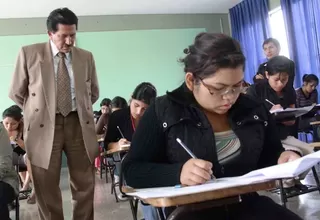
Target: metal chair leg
(17,208)
(282,194)
(133,208)
(160,214)
(316,178)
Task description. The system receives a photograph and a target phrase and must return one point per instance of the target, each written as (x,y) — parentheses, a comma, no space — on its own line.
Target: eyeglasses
(223,92)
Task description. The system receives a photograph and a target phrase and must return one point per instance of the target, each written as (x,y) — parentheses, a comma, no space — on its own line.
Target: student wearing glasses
(229,132)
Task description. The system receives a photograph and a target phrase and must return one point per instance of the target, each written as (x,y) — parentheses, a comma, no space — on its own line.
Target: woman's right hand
(195,172)
(275,107)
(123,141)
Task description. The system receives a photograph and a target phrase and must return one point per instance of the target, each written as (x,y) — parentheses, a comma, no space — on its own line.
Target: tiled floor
(307,206)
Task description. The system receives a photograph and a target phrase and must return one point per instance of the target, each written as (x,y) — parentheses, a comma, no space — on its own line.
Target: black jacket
(155,158)
(122,119)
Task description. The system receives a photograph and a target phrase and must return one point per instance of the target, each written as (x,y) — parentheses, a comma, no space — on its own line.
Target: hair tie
(186,51)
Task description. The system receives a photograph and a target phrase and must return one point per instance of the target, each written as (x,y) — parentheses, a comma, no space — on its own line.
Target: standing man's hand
(259,76)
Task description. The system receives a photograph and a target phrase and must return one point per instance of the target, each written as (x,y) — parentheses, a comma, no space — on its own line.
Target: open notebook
(287,170)
(296,111)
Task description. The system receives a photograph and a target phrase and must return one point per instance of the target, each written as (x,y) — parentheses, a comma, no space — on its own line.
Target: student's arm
(314,97)
(145,164)
(112,135)
(5,153)
(298,98)
(102,122)
(272,147)
(260,74)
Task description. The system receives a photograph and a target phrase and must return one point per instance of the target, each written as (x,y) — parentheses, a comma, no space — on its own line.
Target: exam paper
(281,171)
(297,111)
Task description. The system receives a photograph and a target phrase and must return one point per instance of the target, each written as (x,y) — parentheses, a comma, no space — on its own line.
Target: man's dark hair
(61,16)
(271,40)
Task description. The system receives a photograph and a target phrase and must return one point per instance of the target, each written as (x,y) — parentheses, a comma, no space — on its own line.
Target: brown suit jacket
(33,88)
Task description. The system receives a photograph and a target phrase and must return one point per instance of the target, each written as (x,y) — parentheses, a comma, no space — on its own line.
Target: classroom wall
(211,22)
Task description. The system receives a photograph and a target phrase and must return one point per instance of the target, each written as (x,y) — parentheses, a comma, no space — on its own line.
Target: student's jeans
(149,212)
(7,195)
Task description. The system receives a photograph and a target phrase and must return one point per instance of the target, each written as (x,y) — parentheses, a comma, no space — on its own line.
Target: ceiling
(41,8)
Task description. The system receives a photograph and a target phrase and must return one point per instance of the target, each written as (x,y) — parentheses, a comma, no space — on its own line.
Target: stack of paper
(287,170)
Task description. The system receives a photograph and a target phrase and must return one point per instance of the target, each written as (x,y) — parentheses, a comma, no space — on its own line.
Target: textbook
(281,171)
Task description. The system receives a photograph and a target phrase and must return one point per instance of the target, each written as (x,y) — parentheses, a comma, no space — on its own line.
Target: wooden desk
(115,150)
(203,200)
(205,196)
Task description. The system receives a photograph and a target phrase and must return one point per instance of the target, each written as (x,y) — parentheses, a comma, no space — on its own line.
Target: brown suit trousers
(68,138)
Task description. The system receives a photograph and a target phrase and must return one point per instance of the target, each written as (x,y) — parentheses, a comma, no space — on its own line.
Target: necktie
(64,99)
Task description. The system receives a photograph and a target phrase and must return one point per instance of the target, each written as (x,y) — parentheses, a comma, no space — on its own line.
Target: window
(278,30)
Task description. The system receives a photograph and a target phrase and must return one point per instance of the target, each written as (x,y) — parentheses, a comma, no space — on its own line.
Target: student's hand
(195,172)
(20,143)
(259,76)
(287,156)
(275,107)
(123,141)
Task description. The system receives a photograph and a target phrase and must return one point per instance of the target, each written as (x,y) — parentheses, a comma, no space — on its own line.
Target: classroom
(154,110)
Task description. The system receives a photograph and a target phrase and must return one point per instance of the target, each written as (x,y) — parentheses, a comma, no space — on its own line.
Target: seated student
(13,123)
(123,123)
(117,103)
(9,183)
(275,91)
(101,127)
(307,95)
(229,132)
(271,48)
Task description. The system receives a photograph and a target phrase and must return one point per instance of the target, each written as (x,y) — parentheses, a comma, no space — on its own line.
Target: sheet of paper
(287,170)
(297,111)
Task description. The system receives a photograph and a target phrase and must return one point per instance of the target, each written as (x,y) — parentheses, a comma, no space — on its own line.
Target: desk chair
(17,208)
(134,202)
(285,196)
(305,134)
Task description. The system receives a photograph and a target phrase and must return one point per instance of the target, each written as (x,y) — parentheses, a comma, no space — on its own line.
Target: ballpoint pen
(120,132)
(190,153)
(270,102)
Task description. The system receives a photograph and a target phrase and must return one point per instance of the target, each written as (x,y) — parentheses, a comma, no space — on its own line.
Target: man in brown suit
(56,85)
